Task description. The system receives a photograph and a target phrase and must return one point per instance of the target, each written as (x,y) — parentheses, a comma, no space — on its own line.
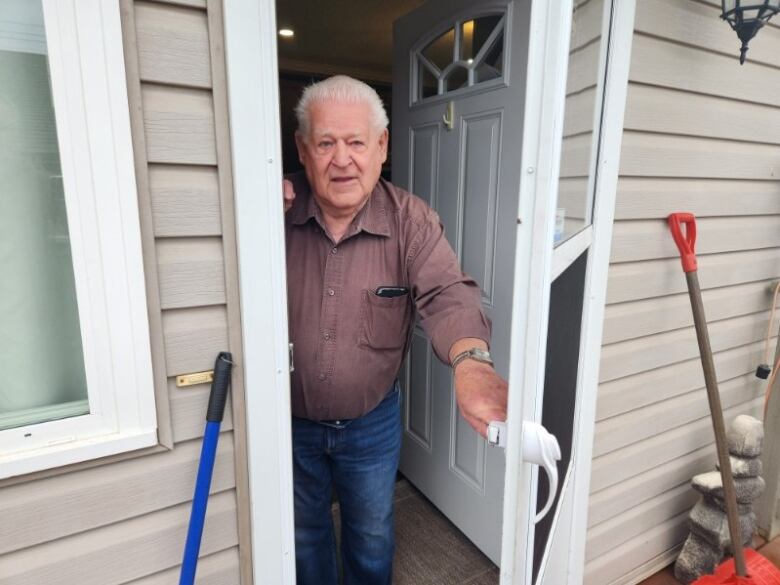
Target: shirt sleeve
(448,301)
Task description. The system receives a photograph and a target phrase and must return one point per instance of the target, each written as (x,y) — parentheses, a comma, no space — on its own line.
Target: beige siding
(702,134)
(580,114)
(125,522)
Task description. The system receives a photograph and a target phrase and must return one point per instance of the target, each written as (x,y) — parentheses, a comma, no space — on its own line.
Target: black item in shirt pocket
(389,292)
(385,321)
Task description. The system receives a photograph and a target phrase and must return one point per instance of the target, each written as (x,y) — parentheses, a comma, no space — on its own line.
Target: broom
(757,570)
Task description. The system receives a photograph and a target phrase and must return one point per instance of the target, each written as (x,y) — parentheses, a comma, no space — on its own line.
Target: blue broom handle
(214,414)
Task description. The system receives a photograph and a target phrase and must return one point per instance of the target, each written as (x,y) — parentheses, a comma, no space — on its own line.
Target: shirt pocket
(385,321)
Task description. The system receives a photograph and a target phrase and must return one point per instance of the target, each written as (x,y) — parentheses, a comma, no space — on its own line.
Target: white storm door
(458,90)
(577,88)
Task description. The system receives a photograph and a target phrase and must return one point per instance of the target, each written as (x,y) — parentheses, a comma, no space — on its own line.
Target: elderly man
(363,257)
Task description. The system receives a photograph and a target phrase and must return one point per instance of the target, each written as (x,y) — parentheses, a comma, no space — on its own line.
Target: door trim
(252,78)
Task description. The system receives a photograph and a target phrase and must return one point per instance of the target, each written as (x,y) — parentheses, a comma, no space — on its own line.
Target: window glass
(428,83)
(474,34)
(491,67)
(456,78)
(441,51)
(41,356)
(574,209)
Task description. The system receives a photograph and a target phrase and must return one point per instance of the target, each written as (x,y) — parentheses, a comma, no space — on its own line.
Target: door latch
(496,434)
(540,447)
(292,357)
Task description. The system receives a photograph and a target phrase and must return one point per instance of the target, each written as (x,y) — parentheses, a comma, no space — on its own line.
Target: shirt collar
(372,218)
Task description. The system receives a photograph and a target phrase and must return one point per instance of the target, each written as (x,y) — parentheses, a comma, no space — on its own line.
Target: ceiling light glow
(286,33)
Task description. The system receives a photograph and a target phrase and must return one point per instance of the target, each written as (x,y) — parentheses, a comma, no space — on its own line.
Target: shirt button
(334,251)
(331,292)
(338,422)
(321,377)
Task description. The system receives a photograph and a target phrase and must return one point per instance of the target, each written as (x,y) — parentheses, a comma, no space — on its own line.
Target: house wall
(579,115)
(123,520)
(701,134)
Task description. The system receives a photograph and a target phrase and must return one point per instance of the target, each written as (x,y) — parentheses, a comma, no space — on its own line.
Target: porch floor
(771,550)
(429,549)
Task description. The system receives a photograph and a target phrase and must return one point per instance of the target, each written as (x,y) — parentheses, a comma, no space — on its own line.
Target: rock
(745,467)
(745,436)
(709,537)
(746,488)
(697,558)
(721,505)
(711,524)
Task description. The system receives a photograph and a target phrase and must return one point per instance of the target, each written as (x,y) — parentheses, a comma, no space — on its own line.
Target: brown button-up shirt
(349,341)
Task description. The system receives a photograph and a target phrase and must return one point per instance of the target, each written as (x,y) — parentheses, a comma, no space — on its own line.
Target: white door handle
(540,448)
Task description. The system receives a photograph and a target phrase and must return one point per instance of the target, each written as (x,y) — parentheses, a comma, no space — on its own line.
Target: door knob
(540,447)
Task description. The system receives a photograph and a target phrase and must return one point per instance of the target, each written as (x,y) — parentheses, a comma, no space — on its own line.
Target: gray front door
(458,101)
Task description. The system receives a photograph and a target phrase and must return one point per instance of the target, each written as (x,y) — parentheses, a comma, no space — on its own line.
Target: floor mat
(430,550)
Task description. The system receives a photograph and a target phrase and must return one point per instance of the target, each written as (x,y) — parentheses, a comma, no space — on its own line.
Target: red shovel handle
(685,242)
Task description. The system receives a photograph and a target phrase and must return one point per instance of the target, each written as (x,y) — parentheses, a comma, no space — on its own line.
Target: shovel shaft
(713,396)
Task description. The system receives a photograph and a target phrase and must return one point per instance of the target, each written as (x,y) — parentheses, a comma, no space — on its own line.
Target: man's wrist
(474,355)
(465,344)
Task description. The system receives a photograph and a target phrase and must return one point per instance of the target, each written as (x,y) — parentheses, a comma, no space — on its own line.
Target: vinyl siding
(124,520)
(701,134)
(579,115)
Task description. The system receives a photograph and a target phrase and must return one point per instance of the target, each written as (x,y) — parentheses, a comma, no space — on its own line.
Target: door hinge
(292,358)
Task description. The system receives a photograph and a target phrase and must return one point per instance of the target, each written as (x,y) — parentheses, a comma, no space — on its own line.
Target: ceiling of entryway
(340,36)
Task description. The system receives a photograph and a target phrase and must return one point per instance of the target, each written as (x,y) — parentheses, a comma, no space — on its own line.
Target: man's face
(342,155)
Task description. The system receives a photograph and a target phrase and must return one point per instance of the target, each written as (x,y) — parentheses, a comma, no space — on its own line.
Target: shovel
(762,572)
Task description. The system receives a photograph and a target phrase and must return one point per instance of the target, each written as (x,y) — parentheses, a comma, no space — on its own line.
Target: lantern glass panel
(750,14)
(728,5)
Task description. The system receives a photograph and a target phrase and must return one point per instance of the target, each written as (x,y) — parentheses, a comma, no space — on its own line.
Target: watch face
(481,355)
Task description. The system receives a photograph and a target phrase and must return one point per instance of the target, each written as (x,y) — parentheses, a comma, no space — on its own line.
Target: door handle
(449,116)
(540,447)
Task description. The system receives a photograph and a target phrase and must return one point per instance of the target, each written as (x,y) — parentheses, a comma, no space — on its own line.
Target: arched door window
(468,54)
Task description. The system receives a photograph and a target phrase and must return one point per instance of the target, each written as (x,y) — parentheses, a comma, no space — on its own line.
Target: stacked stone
(709,539)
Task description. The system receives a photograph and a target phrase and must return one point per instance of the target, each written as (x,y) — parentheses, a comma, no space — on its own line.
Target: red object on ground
(760,571)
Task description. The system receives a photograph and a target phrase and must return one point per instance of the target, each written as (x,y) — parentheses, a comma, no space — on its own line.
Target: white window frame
(86,63)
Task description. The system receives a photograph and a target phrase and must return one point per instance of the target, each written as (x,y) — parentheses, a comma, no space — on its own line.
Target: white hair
(340,88)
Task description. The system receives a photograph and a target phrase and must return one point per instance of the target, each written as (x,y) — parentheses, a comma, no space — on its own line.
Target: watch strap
(474,353)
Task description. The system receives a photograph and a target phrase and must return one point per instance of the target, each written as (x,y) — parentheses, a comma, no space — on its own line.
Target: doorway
(317,41)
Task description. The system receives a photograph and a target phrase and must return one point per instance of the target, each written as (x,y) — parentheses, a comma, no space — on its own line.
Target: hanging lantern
(746,17)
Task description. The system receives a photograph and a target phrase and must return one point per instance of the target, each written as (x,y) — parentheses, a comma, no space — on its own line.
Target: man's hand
(289,194)
(481,394)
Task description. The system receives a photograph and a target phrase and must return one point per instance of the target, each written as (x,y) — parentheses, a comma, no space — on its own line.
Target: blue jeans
(359,458)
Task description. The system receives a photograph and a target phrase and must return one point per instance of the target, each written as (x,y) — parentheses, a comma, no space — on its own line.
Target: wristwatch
(474,353)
